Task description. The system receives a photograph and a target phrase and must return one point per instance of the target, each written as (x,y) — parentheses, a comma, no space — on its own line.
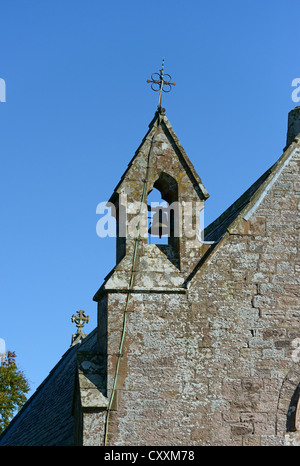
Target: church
(198,338)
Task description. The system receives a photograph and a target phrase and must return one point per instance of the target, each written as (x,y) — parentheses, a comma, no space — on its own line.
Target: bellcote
(159,165)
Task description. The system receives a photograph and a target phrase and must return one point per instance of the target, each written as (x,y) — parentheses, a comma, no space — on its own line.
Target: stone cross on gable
(80,320)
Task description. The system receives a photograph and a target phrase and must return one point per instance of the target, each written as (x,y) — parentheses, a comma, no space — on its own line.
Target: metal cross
(80,320)
(159,83)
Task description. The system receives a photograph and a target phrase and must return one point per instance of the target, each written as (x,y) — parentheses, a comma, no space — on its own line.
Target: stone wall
(214,366)
(249,298)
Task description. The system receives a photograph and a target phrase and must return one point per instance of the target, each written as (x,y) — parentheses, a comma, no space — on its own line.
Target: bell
(160,224)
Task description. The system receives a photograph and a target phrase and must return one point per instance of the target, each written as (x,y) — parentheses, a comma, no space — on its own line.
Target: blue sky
(77,107)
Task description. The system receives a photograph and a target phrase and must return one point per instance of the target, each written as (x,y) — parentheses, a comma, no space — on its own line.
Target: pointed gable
(167,145)
(160,162)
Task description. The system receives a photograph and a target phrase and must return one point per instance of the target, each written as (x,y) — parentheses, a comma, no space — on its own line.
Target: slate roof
(219,226)
(46,418)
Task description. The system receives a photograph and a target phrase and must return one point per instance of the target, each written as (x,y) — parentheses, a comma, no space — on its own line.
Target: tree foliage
(13,389)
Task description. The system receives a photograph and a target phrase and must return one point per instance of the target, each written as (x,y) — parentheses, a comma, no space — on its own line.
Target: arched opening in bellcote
(163,216)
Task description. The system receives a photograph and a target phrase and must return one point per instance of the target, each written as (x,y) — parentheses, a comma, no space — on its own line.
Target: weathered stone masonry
(207,358)
(249,293)
(211,352)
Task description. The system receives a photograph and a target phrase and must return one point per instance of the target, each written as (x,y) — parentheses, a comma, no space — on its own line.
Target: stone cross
(80,320)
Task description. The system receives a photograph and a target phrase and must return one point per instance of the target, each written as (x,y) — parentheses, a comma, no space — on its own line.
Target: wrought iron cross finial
(159,83)
(80,320)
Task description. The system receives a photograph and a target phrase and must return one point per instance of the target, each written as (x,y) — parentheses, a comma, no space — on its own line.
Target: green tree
(13,389)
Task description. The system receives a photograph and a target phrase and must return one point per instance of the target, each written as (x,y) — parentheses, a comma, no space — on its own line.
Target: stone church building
(198,335)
